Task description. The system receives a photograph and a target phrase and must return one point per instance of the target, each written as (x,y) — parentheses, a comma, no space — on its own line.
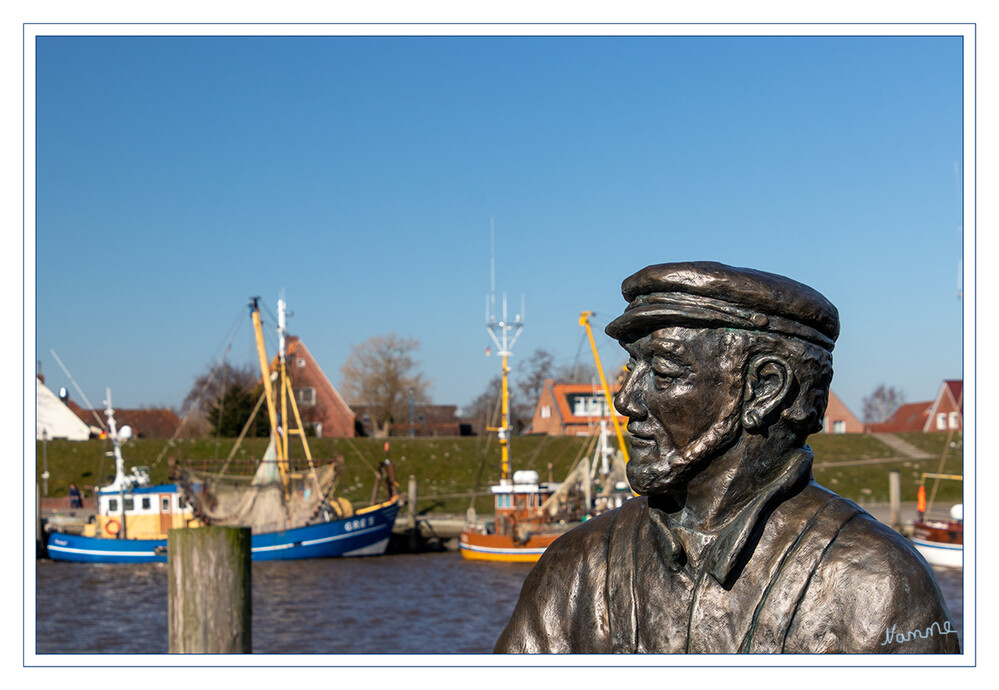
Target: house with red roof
(838,418)
(319,403)
(145,422)
(943,413)
(428,420)
(571,409)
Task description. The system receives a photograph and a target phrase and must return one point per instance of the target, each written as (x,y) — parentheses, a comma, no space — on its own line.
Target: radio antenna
(504,335)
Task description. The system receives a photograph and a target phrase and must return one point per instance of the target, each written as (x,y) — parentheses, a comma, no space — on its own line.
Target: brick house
(944,413)
(571,409)
(428,420)
(947,411)
(321,406)
(147,423)
(838,418)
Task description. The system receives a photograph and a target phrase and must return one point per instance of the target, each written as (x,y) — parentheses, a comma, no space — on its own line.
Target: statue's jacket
(798,570)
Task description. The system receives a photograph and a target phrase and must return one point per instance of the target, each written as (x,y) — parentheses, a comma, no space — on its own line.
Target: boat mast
(283,378)
(119,461)
(584,320)
(500,331)
(280,447)
(287,395)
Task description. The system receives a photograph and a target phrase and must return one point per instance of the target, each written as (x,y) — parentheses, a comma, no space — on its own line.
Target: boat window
(113,505)
(146,503)
(166,503)
(129,504)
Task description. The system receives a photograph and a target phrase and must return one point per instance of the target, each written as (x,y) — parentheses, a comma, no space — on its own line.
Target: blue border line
(973,26)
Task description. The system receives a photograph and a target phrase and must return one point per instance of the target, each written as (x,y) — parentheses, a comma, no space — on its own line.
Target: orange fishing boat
(531,514)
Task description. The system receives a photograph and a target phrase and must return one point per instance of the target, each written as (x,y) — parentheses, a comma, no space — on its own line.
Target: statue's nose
(628,400)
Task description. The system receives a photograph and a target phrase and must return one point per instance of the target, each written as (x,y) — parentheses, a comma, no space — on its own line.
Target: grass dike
(449,470)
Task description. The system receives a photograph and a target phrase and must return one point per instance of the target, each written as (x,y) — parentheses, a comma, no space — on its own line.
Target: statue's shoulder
(860,532)
(866,571)
(562,607)
(592,536)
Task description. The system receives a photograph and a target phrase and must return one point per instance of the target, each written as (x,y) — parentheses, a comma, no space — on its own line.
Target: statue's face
(682,397)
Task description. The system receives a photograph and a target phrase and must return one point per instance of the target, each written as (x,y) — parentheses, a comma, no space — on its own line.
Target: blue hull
(362,535)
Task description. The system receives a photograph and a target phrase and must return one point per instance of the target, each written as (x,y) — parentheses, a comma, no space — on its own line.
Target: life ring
(113,527)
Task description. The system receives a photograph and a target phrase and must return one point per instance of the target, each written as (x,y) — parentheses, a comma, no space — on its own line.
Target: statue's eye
(666,368)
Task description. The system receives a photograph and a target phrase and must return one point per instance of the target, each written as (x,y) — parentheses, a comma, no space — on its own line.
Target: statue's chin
(655,476)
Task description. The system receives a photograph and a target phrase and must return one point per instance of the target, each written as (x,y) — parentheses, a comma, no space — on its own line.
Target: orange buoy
(113,527)
(921,499)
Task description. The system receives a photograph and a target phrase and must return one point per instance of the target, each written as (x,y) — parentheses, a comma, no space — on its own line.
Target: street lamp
(412,429)
(45,463)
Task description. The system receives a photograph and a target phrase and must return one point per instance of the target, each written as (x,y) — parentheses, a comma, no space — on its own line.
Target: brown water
(406,604)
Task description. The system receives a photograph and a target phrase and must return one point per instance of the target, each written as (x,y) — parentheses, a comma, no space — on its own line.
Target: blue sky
(176,177)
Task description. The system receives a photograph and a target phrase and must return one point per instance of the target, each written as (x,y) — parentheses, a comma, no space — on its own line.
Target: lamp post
(45,463)
(412,429)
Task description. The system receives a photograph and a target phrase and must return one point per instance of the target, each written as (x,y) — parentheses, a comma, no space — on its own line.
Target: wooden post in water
(209,604)
(411,501)
(895,499)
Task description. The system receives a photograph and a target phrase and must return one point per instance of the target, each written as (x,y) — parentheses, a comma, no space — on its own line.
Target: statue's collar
(722,553)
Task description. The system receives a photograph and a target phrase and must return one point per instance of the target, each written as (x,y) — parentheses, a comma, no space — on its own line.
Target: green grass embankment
(448,469)
(868,483)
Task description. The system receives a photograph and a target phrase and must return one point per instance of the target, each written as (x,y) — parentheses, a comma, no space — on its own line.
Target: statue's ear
(768,383)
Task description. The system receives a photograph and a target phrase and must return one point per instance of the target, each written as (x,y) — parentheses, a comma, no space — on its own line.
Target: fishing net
(259,501)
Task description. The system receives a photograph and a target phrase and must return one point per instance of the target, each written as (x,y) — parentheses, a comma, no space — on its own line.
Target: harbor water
(401,604)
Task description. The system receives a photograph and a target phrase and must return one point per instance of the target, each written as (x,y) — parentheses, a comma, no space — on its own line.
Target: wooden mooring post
(209,590)
(895,499)
(414,529)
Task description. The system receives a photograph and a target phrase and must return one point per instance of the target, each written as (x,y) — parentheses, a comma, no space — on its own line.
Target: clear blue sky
(176,177)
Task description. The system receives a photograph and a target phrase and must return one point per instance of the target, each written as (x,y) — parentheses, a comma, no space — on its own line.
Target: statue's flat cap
(711,294)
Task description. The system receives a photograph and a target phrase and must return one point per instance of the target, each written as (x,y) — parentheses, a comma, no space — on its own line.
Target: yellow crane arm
(584,320)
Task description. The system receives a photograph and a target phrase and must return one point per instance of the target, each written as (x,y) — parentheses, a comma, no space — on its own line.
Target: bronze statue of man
(731,546)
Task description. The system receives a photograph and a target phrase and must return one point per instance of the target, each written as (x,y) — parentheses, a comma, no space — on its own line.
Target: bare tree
(380,372)
(577,372)
(485,411)
(538,367)
(208,391)
(882,403)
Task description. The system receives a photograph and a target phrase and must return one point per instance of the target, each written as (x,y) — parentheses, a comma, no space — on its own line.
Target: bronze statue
(731,547)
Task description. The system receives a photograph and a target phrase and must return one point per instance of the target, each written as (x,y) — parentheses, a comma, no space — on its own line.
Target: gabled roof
(295,343)
(956,389)
(910,417)
(53,419)
(562,391)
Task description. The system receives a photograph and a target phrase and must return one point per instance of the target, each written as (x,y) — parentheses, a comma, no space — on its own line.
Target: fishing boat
(941,542)
(132,516)
(530,514)
(291,511)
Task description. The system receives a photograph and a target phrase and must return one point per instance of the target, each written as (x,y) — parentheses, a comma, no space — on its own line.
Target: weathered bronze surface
(731,546)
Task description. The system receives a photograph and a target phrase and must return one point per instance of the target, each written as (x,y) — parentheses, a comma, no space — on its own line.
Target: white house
(54,419)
